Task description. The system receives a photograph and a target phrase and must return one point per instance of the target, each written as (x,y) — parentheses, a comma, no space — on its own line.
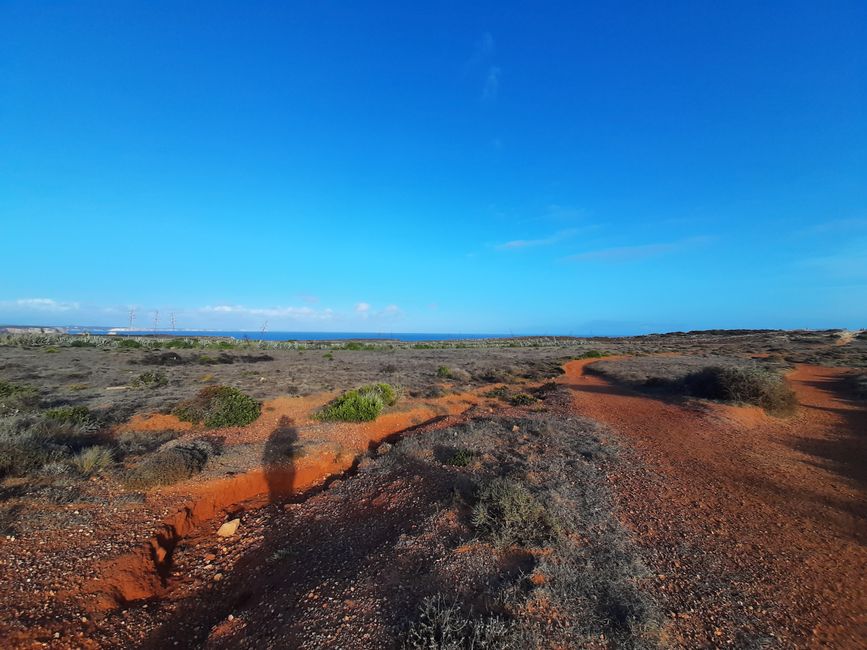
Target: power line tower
(156,319)
(131,318)
(173,321)
(264,327)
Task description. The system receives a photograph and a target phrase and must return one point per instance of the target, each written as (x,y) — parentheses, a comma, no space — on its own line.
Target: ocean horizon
(283,336)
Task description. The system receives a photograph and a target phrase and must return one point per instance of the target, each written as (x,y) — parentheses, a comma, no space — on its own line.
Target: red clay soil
(756,527)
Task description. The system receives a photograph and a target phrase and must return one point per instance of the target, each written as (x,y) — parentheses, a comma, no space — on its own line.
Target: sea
(286,336)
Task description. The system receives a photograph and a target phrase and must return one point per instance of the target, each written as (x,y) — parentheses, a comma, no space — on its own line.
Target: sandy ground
(756,525)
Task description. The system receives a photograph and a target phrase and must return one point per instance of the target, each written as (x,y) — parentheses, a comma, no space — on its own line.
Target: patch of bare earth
(755,526)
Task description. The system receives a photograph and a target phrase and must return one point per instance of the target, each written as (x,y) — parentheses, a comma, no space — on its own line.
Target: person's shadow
(278,460)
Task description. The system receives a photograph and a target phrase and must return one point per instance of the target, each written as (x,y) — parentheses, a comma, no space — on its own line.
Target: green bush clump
(15,398)
(508,513)
(171,465)
(82,343)
(521,399)
(593,354)
(180,344)
(219,406)
(129,344)
(78,415)
(150,379)
(460,458)
(756,386)
(445,372)
(359,405)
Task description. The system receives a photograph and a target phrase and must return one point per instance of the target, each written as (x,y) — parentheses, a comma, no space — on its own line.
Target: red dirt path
(756,526)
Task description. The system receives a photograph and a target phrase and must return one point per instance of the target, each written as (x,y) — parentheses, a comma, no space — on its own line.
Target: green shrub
(79,415)
(129,344)
(756,386)
(82,343)
(359,405)
(180,344)
(171,465)
(15,398)
(460,458)
(444,372)
(498,393)
(355,345)
(508,513)
(93,460)
(150,379)
(521,399)
(329,356)
(593,354)
(219,406)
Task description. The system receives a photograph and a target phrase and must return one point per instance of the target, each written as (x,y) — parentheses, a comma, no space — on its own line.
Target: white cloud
(293,313)
(40,304)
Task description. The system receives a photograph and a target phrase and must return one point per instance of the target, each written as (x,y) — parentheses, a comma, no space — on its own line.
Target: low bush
(150,379)
(521,399)
(136,443)
(745,385)
(445,372)
(219,406)
(15,398)
(93,460)
(171,465)
(460,458)
(359,405)
(441,624)
(78,415)
(508,513)
(129,344)
(593,354)
(28,443)
(179,344)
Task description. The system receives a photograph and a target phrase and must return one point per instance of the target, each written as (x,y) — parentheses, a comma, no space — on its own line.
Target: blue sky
(561,168)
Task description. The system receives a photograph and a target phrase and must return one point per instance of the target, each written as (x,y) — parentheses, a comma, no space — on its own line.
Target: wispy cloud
(39,304)
(482,66)
(483,50)
(517,244)
(635,253)
(292,313)
(492,84)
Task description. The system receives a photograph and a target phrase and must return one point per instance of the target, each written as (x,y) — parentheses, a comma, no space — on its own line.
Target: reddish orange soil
(742,513)
(333,448)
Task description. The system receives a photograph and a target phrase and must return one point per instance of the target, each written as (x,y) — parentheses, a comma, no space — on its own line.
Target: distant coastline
(252,334)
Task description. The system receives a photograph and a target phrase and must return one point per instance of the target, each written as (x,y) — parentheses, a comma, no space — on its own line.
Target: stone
(229,528)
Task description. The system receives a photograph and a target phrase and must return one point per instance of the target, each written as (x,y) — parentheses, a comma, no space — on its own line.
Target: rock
(209,557)
(229,528)
(515,429)
(218,577)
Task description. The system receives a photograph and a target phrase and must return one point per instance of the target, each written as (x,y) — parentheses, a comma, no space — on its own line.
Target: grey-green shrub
(360,404)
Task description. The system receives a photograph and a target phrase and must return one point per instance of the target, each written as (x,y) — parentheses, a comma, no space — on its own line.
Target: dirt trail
(756,526)
(323,450)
